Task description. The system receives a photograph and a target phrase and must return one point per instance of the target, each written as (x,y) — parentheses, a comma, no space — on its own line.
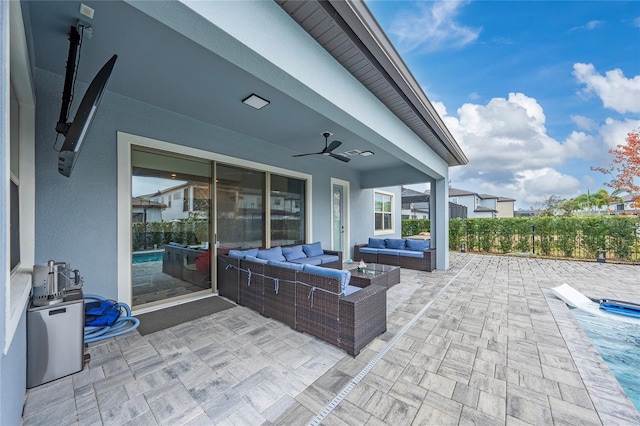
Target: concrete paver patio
(482,343)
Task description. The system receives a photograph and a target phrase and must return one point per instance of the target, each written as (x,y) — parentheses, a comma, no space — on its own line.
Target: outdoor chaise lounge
(308,298)
(406,253)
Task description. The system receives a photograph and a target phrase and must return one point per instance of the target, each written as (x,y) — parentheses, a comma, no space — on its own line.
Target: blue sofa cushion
(394,243)
(236,254)
(293,253)
(308,261)
(350,290)
(274,253)
(327,258)
(256,259)
(288,265)
(418,245)
(369,250)
(174,244)
(410,253)
(390,251)
(376,243)
(314,249)
(344,276)
(241,254)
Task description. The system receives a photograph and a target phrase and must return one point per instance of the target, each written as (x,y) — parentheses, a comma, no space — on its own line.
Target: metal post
(533,239)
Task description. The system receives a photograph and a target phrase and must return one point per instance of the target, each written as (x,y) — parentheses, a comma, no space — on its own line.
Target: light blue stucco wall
(76,216)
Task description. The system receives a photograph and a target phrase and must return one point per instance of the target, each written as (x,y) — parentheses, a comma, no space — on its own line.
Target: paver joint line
(352,384)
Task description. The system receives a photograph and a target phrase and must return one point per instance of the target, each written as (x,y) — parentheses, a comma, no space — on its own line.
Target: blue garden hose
(123,325)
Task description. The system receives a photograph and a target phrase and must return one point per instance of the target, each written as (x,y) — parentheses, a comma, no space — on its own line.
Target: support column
(439,215)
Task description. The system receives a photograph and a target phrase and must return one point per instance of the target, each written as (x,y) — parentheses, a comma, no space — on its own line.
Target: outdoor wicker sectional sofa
(312,299)
(406,253)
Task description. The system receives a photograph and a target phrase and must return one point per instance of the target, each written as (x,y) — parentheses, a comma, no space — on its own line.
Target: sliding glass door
(171,226)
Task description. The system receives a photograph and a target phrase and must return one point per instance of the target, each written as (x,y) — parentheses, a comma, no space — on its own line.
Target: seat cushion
(288,265)
(274,253)
(256,259)
(312,250)
(394,243)
(369,250)
(376,243)
(350,290)
(293,253)
(344,276)
(390,251)
(308,261)
(327,258)
(418,245)
(411,253)
(236,254)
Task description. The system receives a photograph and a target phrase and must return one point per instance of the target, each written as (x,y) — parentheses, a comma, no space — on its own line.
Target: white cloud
(614,89)
(510,153)
(591,25)
(615,132)
(584,123)
(432,27)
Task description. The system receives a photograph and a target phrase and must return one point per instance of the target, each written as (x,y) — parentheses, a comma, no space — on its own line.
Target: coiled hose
(95,334)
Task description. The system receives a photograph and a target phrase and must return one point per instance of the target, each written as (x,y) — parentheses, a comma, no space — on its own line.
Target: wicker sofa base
(306,302)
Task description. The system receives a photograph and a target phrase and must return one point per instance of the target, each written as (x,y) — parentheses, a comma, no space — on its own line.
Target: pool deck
(484,342)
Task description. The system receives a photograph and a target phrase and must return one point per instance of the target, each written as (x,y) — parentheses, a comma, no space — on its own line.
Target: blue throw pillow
(274,253)
(250,252)
(293,253)
(376,243)
(237,254)
(418,245)
(394,243)
(314,249)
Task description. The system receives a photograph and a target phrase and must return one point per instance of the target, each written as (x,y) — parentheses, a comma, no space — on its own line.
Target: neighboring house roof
(455,192)
(505,199)
(487,196)
(142,202)
(483,209)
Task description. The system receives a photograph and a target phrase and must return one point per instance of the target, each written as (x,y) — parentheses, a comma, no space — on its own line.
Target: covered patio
(484,342)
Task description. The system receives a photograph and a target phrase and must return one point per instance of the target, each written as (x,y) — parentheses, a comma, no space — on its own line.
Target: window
(383,211)
(176,195)
(287,218)
(239,196)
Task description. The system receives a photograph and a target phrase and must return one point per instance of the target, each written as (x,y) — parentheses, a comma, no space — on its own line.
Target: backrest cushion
(394,243)
(250,252)
(236,254)
(343,276)
(293,253)
(418,245)
(376,243)
(274,253)
(312,250)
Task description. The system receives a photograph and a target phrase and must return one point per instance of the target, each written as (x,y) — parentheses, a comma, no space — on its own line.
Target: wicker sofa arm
(363,317)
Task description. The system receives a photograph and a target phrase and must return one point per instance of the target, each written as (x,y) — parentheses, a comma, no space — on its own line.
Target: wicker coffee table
(376,273)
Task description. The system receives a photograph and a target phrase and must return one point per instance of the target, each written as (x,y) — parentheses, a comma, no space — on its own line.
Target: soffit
(348,31)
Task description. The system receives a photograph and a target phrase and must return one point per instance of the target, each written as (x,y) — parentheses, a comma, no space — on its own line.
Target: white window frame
(392,213)
(18,283)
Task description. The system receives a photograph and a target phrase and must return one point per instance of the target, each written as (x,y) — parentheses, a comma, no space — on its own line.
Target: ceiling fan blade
(310,153)
(340,157)
(333,145)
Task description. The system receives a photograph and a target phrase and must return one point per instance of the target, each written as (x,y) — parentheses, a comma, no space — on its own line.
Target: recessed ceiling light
(255,101)
(366,153)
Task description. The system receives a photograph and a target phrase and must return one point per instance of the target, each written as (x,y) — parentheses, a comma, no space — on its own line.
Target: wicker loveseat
(306,300)
(182,261)
(406,253)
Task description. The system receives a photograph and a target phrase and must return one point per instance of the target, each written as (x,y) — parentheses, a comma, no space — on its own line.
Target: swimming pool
(618,343)
(147,256)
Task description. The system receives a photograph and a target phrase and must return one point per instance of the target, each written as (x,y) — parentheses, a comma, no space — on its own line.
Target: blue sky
(535,92)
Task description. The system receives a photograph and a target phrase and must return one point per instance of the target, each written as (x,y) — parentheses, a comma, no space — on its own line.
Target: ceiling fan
(328,149)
